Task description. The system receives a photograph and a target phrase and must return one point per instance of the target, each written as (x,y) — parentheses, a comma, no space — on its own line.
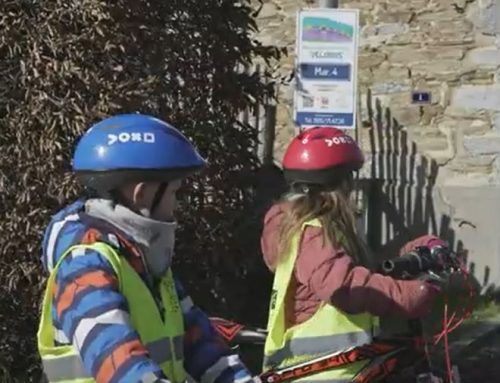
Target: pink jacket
(325,273)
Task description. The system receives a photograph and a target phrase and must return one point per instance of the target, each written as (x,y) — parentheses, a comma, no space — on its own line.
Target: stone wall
(451,49)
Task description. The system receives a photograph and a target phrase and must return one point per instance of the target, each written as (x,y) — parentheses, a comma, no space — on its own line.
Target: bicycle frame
(383,356)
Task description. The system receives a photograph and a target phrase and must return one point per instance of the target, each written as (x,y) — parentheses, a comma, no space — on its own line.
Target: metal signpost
(328,3)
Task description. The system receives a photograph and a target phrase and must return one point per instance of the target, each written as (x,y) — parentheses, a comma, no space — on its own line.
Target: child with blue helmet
(112,310)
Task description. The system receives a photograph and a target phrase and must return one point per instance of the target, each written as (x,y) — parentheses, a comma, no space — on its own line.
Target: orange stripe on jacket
(91,236)
(96,278)
(119,356)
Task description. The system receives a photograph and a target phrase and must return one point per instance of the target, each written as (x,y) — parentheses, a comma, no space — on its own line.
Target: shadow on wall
(401,189)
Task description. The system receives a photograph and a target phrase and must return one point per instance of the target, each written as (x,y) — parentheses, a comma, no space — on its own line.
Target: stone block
(429,112)
(447,124)
(481,162)
(441,30)
(287,63)
(440,157)
(473,202)
(477,77)
(444,95)
(391,28)
(413,5)
(283,115)
(430,138)
(286,94)
(449,26)
(488,56)
(442,14)
(496,76)
(361,5)
(269,10)
(489,16)
(477,97)
(429,55)
(375,35)
(400,108)
(484,14)
(407,116)
(372,41)
(452,39)
(386,73)
(466,127)
(365,78)
(460,178)
(412,38)
(496,122)
(446,69)
(482,40)
(487,144)
(368,31)
(465,113)
(384,29)
(391,87)
(397,16)
(370,59)
(461,3)
(476,127)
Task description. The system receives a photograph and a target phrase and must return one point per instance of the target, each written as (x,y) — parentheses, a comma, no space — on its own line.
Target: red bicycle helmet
(321,156)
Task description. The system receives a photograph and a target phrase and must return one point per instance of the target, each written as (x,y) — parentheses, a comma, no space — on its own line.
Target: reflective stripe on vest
(329,330)
(160,350)
(213,372)
(163,339)
(64,368)
(318,345)
(71,366)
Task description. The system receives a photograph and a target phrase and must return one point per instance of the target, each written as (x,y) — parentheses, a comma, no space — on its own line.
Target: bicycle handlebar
(421,260)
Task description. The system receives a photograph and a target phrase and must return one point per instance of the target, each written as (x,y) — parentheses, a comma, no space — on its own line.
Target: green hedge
(65,64)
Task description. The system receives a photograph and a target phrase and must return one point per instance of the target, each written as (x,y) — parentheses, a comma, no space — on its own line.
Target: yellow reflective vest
(329,330)
(163,338)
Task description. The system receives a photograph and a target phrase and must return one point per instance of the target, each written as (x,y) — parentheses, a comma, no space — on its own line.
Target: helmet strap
(310,189)
(115,196)
(158,196)
(334,184)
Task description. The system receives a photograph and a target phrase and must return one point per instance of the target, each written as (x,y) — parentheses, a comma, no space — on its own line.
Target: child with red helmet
(324,287)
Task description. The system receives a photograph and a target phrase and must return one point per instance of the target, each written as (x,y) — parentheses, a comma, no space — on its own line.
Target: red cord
(446,346)
(449,326)
(471,300)
(469,307)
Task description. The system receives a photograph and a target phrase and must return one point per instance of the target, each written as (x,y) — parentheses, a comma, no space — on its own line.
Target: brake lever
(433,277)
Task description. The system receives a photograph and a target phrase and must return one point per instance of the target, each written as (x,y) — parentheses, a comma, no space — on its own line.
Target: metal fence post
(328,3)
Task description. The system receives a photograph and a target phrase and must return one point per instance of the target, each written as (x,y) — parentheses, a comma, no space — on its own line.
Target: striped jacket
(90,313)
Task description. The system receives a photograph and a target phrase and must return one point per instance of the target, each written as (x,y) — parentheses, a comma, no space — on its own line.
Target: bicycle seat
(235,333)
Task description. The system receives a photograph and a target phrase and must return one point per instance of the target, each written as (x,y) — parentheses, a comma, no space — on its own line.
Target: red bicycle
(388,358)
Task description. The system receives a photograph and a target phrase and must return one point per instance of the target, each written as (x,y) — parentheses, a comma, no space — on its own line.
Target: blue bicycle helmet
(133,148)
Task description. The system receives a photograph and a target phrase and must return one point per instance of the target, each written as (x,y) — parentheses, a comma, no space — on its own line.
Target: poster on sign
(326,63)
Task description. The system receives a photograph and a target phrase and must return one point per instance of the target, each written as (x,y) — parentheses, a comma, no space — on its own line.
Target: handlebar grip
(410,263)
(251,336)
(414,263)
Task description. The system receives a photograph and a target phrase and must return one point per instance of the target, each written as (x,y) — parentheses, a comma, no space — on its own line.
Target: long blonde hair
(334,210)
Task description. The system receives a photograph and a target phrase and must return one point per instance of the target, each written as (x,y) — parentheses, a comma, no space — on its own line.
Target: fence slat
(262,117)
